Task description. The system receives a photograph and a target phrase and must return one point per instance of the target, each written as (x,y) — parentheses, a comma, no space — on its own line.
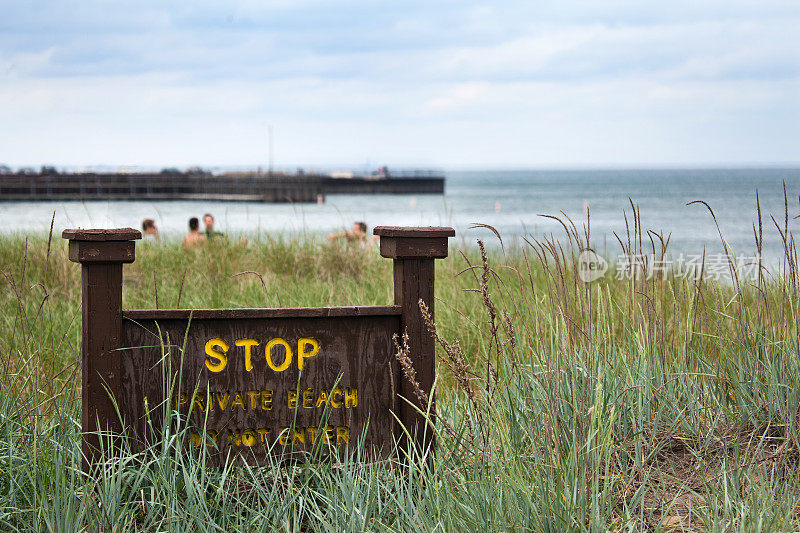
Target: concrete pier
(242,186)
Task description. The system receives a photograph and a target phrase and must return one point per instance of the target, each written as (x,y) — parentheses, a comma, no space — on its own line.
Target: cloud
(460,95)
(449,41)
(446,82)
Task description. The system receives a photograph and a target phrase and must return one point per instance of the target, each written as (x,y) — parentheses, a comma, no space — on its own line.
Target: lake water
(511,201)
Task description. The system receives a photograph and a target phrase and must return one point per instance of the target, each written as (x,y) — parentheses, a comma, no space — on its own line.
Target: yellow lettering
(334,402)
(329,434)
(291,396)
(222,400)
(350,397)
(249,438)
(253,398)
(302,353)
(308,398)
(342,434)
(312,431)
(197,401)
(300,434)
(197,438)
(284,435)
(263,434)
(180,400)
(288,356)
(216,349)
(248,345)
(237,400)
(266,400)
(323,398)
(234,438)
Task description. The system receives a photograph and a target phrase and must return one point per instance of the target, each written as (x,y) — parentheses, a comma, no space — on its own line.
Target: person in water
(149,230)
(208,220)
(356,236)
(194,237)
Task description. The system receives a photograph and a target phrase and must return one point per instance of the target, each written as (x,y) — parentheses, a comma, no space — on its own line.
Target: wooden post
(101,253)
(414,251)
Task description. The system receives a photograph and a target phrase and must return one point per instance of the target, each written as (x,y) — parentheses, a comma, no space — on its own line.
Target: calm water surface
(511,201)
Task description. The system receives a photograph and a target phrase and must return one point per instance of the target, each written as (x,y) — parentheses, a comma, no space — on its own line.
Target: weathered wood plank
(414,232)
(346,385)
(432,247)
(283,312)
(102,320)
(120,234)
(101,251)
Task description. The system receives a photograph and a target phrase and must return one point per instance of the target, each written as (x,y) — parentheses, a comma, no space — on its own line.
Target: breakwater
(239,186)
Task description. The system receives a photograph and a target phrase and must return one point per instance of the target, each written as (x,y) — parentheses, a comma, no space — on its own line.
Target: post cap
(101,235)
(414,242)
(415,231)
(102,245)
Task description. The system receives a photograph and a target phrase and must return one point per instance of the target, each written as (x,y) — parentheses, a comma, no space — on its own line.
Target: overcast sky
(406,83)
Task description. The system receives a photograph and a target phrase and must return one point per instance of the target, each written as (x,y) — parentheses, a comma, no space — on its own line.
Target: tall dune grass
(657,402)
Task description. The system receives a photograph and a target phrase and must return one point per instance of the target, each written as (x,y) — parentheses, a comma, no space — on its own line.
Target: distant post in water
(414,251)
(101,254)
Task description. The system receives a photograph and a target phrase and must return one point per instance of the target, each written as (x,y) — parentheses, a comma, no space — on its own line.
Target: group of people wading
(357,236)
(191,239)
(195,238)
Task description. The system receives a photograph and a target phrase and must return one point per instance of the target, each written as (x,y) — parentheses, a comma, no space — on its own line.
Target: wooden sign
(255,383)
